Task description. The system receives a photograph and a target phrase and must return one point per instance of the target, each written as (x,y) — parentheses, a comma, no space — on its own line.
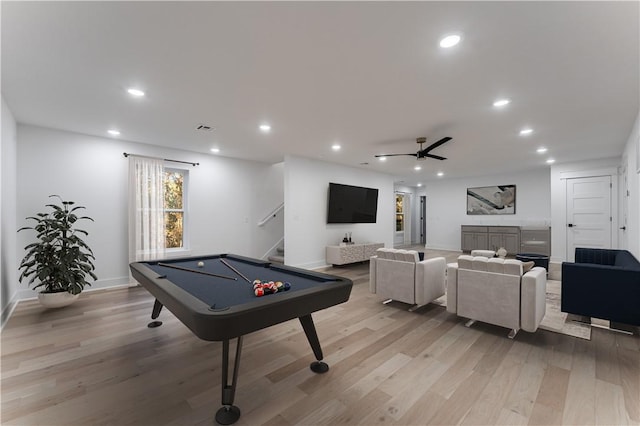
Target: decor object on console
(604,284)
(400,275)
(351,253)
(497,291)
(485,200)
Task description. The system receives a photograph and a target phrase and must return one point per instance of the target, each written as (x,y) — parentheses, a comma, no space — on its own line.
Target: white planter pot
(57,300)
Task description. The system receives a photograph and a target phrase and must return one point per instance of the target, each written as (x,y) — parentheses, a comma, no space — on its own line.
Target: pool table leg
(157,307)
(229,413)
(310,330)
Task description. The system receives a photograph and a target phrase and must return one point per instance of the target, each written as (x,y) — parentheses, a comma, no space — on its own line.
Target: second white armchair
(399,275)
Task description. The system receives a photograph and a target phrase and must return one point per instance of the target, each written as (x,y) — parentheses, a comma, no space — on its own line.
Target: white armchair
(496,291)
(400,275)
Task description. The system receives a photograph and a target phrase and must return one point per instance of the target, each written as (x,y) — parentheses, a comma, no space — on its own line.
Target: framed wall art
(486,200)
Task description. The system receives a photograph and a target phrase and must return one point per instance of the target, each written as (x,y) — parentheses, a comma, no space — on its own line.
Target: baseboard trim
(31,294)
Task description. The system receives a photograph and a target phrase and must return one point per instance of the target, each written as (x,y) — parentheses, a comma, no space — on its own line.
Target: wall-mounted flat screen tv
(352,204)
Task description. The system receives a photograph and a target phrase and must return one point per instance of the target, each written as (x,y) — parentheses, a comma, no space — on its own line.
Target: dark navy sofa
(602,284)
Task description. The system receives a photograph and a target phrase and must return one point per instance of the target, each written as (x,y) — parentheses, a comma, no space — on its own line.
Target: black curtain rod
(163,159)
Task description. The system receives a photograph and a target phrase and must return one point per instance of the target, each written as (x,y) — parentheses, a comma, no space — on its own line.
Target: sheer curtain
(146,209)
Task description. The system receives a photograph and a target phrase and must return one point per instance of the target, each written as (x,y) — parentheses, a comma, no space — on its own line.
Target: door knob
(571,225)
(624,228)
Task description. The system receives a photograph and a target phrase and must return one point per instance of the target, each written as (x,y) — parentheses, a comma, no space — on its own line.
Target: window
(399,213)
(175,182)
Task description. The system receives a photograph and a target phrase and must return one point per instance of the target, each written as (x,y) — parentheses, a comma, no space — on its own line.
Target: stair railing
(271,215)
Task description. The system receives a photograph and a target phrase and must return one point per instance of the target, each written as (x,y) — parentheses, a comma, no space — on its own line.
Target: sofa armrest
(533,293)
(452,288)
(601,291)
(430,279)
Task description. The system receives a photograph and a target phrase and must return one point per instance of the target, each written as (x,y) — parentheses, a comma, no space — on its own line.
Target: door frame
(423,220)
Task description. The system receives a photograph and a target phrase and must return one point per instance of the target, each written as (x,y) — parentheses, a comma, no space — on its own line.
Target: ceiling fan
(423,153)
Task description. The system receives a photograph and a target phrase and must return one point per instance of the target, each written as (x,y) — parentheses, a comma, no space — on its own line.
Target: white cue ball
(200,264)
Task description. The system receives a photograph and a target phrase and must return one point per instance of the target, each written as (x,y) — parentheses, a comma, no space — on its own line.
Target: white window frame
(184,211)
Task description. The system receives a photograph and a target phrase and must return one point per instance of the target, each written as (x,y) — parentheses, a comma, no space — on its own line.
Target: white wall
(8,261)
(559,172)
(225,199)
(307,233)
(632,156)
(447,205)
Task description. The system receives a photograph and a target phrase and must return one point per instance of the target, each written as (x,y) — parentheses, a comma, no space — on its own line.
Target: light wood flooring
(96,363)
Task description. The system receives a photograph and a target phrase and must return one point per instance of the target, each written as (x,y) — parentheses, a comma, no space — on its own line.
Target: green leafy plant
(60,260)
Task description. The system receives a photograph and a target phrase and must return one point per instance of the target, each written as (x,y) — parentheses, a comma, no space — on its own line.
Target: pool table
(214,297)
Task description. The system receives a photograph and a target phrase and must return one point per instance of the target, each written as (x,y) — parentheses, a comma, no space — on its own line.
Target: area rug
(554,319)
(558,321)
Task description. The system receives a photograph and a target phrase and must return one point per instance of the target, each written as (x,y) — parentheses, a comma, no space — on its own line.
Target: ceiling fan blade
(436,144)
(437,157)
(393,155)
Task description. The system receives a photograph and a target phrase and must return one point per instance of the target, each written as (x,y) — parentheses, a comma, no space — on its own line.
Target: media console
(351,253)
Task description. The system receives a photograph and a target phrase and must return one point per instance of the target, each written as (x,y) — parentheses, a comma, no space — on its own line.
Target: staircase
(278,257)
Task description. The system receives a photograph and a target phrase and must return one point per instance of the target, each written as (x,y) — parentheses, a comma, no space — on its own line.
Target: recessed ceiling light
(449,41)
(265,128)
(440,174)
(419,185)
(215,150)
(135,92)
(335,147)
(113,132)
(501,102)
(417,168)
(541,150)
(551,161)
(383,158)
(526,131)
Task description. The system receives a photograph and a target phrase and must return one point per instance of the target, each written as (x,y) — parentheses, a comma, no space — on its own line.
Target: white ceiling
(367,75)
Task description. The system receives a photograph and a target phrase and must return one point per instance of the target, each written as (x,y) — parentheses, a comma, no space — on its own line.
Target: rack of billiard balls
(260,288)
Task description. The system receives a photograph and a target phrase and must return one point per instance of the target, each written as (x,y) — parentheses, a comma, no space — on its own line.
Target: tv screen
(352,204)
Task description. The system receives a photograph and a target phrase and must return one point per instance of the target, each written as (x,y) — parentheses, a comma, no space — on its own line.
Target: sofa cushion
(479,263)
(385,253)
(526,266)
(399,254)
(485,253)
(597,256)
(411,256)
(513,267)
(464,261)
(496,265)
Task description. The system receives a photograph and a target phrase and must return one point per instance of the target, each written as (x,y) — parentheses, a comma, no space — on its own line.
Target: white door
(588,213)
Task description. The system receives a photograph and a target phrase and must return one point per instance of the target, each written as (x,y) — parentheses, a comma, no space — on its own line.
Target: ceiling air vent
(205,128)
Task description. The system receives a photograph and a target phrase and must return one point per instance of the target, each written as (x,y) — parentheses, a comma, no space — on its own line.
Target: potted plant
(60,260)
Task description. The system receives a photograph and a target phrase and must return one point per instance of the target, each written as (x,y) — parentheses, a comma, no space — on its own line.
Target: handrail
(271,215)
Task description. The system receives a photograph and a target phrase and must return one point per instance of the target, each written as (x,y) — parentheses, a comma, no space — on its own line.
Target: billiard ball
(200,264)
